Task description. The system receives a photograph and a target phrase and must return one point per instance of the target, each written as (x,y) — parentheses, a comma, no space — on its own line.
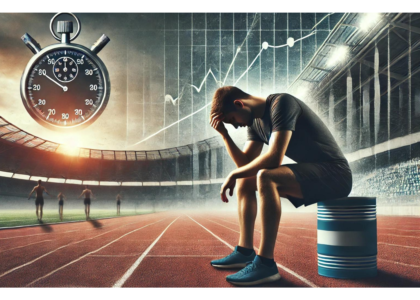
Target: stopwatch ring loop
(67,13)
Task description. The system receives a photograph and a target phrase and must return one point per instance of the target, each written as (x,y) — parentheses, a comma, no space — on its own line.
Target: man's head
(86,187)
(39,182)
(230,102)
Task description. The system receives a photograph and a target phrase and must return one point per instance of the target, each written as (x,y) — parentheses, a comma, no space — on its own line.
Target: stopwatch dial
(65,88)
(65,69)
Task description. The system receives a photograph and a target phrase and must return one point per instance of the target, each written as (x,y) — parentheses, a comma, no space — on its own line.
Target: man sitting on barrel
(289,127)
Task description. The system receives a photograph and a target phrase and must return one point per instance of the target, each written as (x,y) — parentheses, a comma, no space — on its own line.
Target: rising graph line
(265,46)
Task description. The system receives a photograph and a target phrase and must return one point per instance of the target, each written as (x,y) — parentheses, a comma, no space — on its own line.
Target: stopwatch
(65,86)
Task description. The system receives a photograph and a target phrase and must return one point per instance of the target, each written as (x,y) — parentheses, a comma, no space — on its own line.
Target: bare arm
(29,197)
(81,194)
(47,192)
(240,158)
(278,144)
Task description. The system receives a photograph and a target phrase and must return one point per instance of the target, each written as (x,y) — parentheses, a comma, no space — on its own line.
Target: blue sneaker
(234,260)
(254,273)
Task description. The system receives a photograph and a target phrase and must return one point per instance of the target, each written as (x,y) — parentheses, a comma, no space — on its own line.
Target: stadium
(153,145)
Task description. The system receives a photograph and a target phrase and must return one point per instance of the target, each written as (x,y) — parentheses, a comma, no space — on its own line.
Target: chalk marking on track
(69,244)
(308,282)
(395,245)
(2,251)
(398,263)
(87,254)
(131,270)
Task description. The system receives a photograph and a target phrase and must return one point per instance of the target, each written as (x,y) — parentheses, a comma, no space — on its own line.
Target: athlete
(88,196)
(61,199)
(118,204)
(39,201)
(289,127)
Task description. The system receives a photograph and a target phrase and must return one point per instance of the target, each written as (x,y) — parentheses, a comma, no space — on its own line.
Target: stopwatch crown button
(65,27)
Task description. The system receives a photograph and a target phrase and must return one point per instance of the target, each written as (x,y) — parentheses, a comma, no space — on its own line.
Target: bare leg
(36,210)
(271,185)
(88,210)
(41,211)
(247,210)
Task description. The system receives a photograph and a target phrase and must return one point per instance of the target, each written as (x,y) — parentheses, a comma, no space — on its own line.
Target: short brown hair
(223,99)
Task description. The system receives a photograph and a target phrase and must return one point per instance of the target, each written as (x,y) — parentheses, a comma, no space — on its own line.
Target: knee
(263,177)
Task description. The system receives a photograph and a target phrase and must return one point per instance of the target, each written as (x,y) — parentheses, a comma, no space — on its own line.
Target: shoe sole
(230,266)
(271,278)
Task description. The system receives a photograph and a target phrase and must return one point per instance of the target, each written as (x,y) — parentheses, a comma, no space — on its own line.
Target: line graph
(169,99)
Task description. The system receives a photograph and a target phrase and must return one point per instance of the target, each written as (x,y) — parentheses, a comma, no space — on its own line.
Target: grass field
(12,218)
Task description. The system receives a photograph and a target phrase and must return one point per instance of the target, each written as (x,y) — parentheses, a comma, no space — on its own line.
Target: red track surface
(174,250)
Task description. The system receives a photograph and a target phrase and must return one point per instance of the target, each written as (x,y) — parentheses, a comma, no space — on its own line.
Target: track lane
(20,257)
(390,272)
(47,262)
(181,258)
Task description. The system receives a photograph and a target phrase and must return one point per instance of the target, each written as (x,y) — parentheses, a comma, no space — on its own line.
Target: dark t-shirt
(311,140)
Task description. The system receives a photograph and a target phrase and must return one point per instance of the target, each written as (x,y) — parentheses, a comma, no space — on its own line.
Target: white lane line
(131,270)
(120,255)
(300,228)
(19,236)
(395,245)
(397,229)
(2,251)
(81,229)
(226,226)
(399,263)
(308,282)
(87,254)
(278,233)
(46,254)
(409,236)
(277,241)
(280,226)
(32,261)
(183,255)
(259,231)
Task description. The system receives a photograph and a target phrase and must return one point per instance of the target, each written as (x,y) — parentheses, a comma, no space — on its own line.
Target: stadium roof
(13,134)
(350,34)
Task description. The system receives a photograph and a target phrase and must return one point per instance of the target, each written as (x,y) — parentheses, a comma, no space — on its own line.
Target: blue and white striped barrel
(347,239)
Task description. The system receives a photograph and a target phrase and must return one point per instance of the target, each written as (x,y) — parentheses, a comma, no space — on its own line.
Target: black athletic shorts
(118,202)
(39,201)
(322,181)
(86,201)
(61,203)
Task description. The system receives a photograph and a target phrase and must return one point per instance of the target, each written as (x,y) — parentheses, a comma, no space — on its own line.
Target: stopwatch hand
(63,87)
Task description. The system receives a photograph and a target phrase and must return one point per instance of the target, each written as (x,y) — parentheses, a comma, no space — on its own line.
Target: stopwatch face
(65,88)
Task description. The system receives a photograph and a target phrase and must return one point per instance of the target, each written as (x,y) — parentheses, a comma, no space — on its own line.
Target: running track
(173,249)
